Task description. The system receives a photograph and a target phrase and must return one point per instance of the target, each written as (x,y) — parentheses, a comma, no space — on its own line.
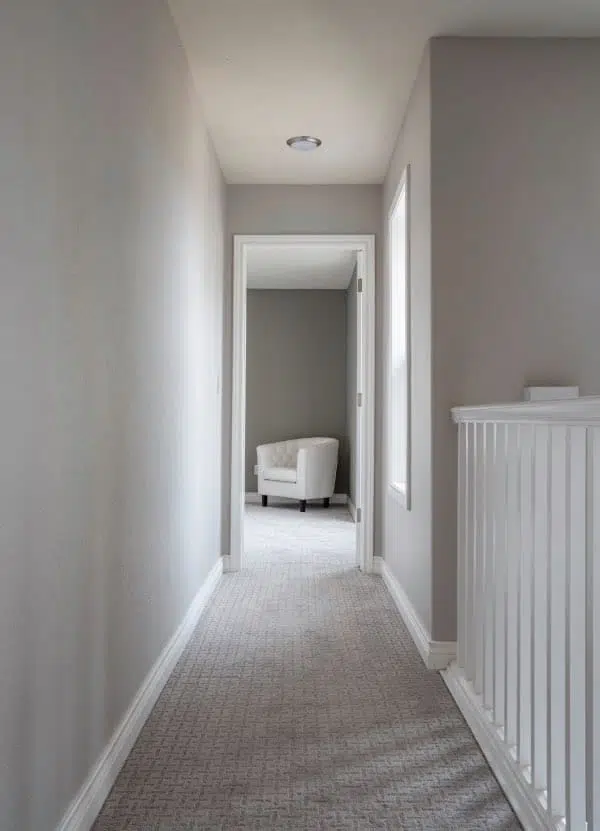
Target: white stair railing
(527,674)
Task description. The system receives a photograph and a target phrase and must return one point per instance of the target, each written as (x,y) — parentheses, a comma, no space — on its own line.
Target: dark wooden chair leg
(302,505)
(265,500)
(326,502)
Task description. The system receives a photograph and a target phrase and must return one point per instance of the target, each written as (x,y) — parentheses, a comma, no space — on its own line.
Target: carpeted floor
(302,703)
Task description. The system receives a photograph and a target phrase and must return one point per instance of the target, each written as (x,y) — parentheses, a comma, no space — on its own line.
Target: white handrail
(584,410)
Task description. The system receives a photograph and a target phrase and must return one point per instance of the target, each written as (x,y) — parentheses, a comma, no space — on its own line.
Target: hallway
(302,703)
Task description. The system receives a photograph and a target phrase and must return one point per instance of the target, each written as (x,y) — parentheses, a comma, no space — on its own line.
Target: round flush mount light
(304,143)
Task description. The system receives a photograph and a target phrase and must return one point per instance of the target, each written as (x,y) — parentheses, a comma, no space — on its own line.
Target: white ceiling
(338,69)
(299,267)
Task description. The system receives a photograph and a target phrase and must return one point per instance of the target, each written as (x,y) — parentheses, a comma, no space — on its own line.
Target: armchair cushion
(280,474)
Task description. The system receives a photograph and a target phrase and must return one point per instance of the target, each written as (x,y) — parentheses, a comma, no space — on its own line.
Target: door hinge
(359,285)
(359,514)
(359,399)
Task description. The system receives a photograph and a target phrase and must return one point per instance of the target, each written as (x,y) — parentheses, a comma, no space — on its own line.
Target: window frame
(401,491)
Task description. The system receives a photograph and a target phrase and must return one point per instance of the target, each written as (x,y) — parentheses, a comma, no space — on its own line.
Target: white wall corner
(85,807)
(352,510)
(435,654)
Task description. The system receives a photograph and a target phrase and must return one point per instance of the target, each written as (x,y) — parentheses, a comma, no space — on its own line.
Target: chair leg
(265,500)
(326,502)
(302,505)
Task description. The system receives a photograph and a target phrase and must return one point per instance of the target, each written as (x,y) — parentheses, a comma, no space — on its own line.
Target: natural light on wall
(398,359)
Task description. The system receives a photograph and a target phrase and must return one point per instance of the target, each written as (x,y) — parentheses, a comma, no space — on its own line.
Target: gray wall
(351,388)
(516,248)
(295,371)
(502,138)
(287,209)
(407,538)
(111,243)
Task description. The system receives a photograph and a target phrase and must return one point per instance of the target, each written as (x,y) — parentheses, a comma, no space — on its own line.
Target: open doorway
(261,264)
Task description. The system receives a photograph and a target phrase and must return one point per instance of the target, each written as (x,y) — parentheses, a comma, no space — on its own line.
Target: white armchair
(298,469)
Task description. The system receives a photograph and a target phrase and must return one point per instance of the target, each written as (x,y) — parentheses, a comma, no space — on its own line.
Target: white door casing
(364,246)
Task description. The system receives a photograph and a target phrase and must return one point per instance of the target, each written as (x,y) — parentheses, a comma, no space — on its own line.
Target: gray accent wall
(351,388)
(111,264)
(295,371)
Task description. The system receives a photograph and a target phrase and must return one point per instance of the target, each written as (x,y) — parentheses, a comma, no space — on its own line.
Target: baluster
(500,516)
(467,520)
(526,595)
(513,584)
(557,599)
(477,633)
(463,600)
(489,592)
(593,627)
(575,625)
(469,542)
(539,682)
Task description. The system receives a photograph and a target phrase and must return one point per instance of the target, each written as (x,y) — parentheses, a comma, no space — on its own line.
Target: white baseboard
(253,498)
(524,799)
(339,499)
(86,806)
(352,509)
(435,654)
(441,654)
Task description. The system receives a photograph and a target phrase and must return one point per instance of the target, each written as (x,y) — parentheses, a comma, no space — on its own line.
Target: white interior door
(360,409)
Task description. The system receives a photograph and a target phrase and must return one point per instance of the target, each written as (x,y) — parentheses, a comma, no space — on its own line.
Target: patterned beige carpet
(302,703)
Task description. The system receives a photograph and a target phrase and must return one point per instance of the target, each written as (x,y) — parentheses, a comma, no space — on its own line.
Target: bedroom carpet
(302,703)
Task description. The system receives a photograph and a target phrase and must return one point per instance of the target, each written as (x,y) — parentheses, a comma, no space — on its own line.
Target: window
(398,359)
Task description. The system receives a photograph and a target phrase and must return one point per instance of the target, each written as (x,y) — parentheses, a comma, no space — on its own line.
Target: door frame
(364,245)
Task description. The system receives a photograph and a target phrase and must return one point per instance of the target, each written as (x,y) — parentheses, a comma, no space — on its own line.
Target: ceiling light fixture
(304,143)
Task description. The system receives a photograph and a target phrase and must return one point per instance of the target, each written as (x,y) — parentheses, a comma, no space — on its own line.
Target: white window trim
(401,491)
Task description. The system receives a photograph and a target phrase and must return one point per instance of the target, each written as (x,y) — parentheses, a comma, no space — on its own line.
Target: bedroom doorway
(330,266)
